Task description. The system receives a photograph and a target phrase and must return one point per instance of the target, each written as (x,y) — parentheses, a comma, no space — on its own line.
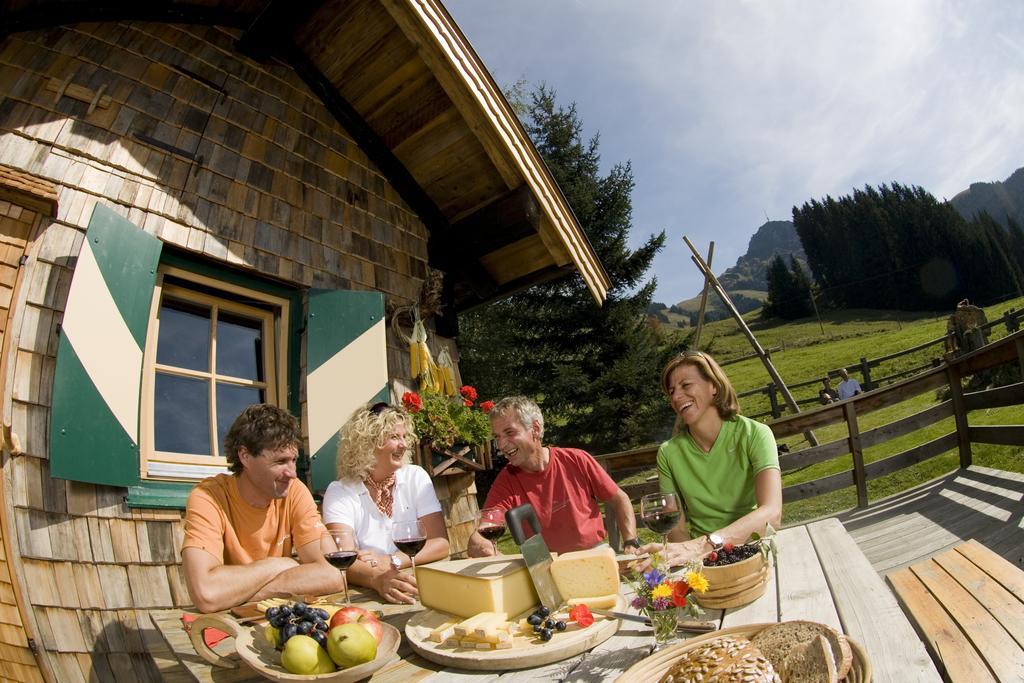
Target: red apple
(358,615)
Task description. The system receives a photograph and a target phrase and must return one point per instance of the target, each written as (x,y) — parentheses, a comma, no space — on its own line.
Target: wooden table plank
(1011,578)
(868,610)
(803,588)
(1004,606)
(989,638)
(949,645)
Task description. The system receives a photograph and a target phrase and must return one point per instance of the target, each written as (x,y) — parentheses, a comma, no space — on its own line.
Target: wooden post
(703,299)
(1019,345)
(710,277)
(774,400)
(860,480)
(956,394)
(865,370)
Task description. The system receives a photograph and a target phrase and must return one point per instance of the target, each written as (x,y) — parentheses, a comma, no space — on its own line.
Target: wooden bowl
(651,669)
(735,584)
(259,654)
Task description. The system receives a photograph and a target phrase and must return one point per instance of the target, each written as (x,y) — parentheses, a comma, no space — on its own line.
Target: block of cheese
(468,587)
(596,602)
(586,573)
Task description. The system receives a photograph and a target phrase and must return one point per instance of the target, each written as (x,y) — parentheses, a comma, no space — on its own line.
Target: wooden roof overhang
(402,79)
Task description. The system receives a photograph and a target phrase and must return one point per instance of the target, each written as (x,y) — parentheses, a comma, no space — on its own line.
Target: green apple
(303,655)
(350,644)
(273,635)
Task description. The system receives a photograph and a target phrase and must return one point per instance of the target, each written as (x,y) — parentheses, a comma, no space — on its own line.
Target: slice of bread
(728,659)
(810,662)
(777,640)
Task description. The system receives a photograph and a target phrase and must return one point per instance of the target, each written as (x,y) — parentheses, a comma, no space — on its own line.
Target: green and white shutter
(94,418)
(346,367)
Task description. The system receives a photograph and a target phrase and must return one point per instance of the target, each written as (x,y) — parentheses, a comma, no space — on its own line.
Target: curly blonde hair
(367,429)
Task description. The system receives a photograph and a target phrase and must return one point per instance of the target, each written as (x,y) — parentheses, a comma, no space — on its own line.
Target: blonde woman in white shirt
(377,485)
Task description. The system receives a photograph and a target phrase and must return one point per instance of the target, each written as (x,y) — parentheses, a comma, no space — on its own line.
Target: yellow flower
(697,581)
(662,590)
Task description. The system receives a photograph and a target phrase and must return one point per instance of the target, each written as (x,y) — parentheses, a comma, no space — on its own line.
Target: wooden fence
(1011,319)
(947,375)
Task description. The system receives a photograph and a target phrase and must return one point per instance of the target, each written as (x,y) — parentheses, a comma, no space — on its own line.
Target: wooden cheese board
(526,652)
(259,654)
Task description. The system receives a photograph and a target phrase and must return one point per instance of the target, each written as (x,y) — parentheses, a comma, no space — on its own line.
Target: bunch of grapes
(299,618)
(730,554)
(543,625)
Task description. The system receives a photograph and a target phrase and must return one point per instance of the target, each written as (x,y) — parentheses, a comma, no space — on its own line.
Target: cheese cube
(586,573)
(466,588)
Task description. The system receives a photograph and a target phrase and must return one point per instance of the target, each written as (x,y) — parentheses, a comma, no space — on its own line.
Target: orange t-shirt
(218,520)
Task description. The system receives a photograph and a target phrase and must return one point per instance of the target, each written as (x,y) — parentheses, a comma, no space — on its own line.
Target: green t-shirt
(717,488)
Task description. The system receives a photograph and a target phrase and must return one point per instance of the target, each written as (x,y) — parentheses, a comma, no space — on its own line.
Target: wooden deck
(978,502)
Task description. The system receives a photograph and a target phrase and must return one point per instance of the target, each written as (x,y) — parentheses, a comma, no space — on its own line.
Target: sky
(732,112)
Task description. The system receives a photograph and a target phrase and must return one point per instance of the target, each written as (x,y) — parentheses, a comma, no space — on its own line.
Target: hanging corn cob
(445,365)
(421,363)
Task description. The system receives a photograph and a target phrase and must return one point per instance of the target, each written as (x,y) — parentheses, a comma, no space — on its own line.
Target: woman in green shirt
(723,467)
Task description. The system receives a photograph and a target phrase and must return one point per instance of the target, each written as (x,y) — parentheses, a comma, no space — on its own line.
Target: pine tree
(593,369)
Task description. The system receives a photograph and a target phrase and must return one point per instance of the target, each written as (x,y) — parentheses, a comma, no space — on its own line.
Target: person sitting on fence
(965,329)
(241,528)
(827,394)
(722,466)
(377,486)
(849,387)
(564,485)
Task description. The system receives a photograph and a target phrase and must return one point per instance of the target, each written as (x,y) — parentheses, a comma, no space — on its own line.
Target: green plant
(445,421)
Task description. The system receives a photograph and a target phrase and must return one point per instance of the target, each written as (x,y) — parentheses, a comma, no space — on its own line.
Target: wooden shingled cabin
(278,177)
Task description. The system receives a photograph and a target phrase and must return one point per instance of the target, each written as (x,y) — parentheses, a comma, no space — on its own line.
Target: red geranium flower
(679,591)
(468,393)
(412,401)
(486,406)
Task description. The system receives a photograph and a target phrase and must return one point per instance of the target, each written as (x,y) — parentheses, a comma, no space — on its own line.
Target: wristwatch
(716,541)
(631,543)
(396,562)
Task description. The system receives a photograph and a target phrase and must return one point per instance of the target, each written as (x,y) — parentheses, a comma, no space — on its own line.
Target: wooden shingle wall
(210,152)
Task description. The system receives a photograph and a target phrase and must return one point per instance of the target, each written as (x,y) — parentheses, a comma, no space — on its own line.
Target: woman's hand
(675,554)
(396,586)
(377,561)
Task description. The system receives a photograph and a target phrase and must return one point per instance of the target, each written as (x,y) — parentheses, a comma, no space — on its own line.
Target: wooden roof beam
(274,26)
(505,220)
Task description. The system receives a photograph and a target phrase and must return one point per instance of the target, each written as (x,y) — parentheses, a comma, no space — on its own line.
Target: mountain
(750,271)
(999,199)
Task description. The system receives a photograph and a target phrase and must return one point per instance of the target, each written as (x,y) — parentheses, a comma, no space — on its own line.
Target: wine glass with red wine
(340,550)
(660,512)
(492,525)
(409,537)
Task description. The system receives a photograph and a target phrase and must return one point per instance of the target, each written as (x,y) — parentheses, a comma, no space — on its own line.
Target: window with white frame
(212,349)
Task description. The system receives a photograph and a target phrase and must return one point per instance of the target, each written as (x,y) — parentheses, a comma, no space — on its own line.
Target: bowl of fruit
(303,642)
(736,574)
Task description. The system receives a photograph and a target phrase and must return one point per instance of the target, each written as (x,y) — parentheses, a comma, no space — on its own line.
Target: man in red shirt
(564,485)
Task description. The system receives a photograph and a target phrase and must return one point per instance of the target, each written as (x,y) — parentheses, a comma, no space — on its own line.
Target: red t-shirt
(565,496)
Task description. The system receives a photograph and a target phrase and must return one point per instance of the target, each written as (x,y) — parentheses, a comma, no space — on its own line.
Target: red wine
(341,559)
(492,533)
(661,522)
(411,546)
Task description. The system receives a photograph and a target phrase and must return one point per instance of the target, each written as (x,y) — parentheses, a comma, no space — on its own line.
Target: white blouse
(350,503)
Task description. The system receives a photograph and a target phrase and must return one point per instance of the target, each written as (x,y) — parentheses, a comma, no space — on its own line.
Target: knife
(535,553)
(683,625)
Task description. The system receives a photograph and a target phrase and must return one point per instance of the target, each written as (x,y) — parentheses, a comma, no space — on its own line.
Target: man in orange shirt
(240,528)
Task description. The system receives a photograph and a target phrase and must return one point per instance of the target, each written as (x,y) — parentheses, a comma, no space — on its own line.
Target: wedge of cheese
(466,588)
(596,602)
(586,573)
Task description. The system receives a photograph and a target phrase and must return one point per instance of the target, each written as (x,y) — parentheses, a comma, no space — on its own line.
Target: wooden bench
(968,607)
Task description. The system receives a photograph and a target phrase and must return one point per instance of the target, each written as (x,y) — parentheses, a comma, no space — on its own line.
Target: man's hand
(396,586)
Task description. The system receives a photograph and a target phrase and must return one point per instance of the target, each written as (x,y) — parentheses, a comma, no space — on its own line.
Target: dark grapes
(304,627)
(322,614)
(287,632)
(320,637)
(273,612)
(534,619)
(543,611)
(731,555)
(545,634)
(559,625)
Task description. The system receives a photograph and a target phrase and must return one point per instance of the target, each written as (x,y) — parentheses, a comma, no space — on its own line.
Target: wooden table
(822,576)
(968,604)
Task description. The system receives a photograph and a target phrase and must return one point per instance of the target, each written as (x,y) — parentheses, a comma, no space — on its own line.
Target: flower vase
(664,623)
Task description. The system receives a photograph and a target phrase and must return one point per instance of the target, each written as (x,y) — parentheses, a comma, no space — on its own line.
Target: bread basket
(651,669)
